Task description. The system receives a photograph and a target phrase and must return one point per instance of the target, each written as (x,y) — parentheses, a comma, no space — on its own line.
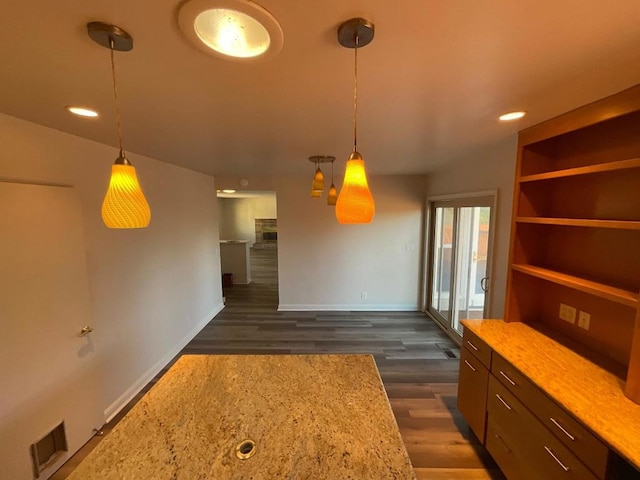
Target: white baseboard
(113,409)
(342,308)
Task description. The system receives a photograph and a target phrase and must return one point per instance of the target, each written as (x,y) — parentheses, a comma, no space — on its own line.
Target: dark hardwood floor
(418,365)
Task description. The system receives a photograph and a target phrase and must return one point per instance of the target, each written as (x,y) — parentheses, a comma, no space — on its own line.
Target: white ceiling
(431,83)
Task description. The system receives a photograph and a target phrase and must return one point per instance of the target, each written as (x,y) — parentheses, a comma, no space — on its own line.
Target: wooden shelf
(572,172)
(582,222)
(576,210)
(601,290)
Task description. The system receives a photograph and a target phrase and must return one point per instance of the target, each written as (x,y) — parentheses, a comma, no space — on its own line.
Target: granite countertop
(593,395)
(311,417)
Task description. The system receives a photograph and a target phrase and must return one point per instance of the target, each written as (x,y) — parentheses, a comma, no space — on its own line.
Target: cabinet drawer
(542,451)
(569,431)
(477,347)
(507,454)
(472,392)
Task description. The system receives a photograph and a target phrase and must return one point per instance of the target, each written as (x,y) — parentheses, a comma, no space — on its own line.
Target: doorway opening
(248,223)
(460,244)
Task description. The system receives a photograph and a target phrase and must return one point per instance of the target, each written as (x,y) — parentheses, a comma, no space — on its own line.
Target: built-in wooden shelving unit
(576,228)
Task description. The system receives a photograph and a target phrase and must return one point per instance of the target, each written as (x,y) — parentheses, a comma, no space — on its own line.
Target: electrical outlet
(363,295)
(567,313)
(584,320)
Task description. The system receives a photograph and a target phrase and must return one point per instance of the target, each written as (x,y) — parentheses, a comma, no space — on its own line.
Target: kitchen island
(309,416)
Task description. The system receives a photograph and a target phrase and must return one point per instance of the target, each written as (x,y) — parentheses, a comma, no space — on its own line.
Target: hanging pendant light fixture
(355,203)
(317,185)
(124,205)
(318,179)
(332,196)
(316,192)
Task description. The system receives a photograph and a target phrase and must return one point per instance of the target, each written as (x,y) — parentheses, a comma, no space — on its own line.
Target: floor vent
(47,450)
(447,351)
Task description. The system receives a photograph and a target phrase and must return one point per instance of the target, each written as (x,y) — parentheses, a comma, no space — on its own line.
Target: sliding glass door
(460,238)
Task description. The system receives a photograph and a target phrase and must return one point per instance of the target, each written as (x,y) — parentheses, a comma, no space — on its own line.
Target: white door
(48,372)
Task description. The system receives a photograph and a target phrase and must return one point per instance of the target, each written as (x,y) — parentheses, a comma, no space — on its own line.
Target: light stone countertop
(311,417)
(593,395)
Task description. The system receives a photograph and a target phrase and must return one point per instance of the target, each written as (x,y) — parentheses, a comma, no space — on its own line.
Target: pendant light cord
(115,95)
(355,97)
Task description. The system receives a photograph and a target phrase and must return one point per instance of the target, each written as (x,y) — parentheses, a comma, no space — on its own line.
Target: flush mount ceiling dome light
(232,29)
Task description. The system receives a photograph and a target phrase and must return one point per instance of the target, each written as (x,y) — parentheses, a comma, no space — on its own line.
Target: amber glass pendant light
(332,196)
(355,203)
(124,205)
(317,185)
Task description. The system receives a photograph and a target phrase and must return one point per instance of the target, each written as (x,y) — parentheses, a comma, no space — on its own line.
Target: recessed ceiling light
(228,191)
(82,111)
(233,29)
(506,117)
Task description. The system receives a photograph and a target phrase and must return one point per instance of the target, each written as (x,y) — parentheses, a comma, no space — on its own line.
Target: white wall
(152,289)
(323,265)
(492,168)
(237,216)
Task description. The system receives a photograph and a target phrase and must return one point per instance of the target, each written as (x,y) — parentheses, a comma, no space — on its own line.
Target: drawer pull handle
(472,345)
(550,452)
(507,378)
(504,445)
(503,402)
(573,439)
(473,368)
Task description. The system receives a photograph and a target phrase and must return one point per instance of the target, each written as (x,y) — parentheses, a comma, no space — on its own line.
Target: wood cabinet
(576,232)
(550,413)
(563,370)
(472,392)
(541,454)
(528,434)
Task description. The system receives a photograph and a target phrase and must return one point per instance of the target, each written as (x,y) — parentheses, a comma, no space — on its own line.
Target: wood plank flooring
(413,356)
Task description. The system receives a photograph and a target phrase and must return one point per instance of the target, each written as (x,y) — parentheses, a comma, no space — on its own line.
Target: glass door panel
(471,264)
(442,261)
(460,233)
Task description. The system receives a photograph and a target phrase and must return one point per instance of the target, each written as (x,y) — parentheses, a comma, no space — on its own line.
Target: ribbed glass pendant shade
(332,196)
(125,205)
(355,202)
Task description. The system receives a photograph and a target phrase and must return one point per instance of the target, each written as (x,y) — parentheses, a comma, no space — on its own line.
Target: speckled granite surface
(311,416)
(593,395)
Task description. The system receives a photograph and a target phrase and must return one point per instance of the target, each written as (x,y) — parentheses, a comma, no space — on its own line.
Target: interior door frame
(456,200)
